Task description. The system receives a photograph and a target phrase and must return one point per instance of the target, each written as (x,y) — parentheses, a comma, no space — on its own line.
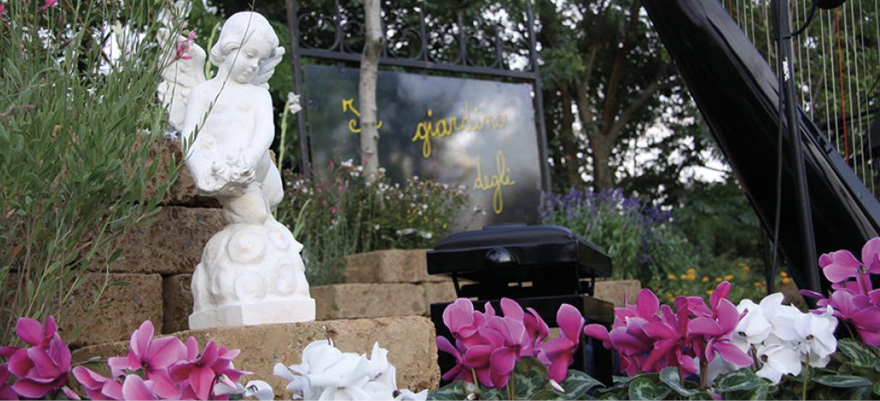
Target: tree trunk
(550,99)
(602,173)
(367,89)
(569,147)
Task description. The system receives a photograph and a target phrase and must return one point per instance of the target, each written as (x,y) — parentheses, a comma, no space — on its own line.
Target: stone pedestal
(409,340)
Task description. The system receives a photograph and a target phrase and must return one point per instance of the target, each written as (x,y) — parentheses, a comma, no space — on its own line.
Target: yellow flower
(757,283)
(783,274)
(728,277)
(705,279)
(709,292)
(786,280)
(691,271)
(671,276)
(746,268)
(684,276)
(718,279)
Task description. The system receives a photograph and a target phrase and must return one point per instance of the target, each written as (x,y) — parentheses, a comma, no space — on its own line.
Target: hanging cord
(842,94)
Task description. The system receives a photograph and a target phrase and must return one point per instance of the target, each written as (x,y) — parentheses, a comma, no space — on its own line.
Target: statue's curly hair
(232,34)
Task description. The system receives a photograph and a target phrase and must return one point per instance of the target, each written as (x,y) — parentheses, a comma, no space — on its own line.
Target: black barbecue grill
(519,261)
(540,267)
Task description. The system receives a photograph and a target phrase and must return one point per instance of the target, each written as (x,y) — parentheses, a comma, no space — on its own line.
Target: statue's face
(247,61)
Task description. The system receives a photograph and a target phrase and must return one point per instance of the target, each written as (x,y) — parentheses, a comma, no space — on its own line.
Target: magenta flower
(96,386)
(462,320)
(42,368)
(135,388)
(198,374)
(154,356)
(181,48)
(627,335)
(718,332)
(558,353)
(46,5)
(6,392)
(672,339)
(855,301)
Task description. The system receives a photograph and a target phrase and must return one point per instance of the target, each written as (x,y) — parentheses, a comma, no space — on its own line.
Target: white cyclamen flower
(753,328)
(812,336)
(778,358)
(330,374)
(255,388)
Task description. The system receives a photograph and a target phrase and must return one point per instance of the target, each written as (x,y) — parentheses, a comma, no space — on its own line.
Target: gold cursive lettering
(495,182)
(429,129)
(348,105)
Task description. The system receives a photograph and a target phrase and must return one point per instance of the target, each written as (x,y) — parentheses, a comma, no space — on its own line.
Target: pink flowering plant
(509,355)
(155,368)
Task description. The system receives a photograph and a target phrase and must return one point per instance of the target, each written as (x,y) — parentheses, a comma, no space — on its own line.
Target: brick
(178,302)
(127,301)
(409,340)
(173,244)
(355,301)
(443,291)
(613,291)
(389,266)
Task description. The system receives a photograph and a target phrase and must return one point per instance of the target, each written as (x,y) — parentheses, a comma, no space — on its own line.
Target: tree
(369,146)
(604,59)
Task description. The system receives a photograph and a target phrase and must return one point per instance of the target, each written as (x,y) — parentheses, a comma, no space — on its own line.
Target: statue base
(280,311)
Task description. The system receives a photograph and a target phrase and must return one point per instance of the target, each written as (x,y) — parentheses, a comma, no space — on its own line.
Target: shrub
(72,176)
(343,214)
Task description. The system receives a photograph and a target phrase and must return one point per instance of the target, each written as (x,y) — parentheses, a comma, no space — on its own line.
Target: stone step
(389,266)
(127,300)
(614,291)
(182,192)
(173,244)
(409,340)
(355,301)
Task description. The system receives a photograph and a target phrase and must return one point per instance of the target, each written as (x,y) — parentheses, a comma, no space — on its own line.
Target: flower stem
(704,374)
(511,389)
(680,376)
(806,377)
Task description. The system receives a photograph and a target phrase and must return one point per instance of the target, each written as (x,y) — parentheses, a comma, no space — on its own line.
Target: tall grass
(75,127)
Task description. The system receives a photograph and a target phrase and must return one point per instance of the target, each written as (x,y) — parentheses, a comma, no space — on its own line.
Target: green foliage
(528,382)
(344,214)
(75,149)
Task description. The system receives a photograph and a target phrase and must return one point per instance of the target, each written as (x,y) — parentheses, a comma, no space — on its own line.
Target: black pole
(786,98)
(543,153)
(305,164)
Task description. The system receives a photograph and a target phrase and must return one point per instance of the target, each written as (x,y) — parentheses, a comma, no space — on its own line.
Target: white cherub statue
(251,272)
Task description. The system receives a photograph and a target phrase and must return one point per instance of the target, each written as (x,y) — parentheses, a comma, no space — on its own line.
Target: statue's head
(245,36)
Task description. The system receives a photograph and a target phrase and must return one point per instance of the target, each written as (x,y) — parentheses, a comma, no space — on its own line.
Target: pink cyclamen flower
(47,4)
(154,356)
(6,391)
(462,320)
(96,386)
(198,374)
(717,334)
(672,335)
(42,368)
(135,388)
(558,353)
(628,334)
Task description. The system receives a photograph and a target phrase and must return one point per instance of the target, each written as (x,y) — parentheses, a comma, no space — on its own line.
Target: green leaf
(547,395)
(741,380)
(757,393)
(644,388)
(529,376)
(877,388)
(451,391)
(670,376)
(577,384)
(702,395)
(859,354)
(842,381)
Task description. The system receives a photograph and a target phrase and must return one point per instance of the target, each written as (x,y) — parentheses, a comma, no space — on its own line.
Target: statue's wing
(184,69)
(267,68)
